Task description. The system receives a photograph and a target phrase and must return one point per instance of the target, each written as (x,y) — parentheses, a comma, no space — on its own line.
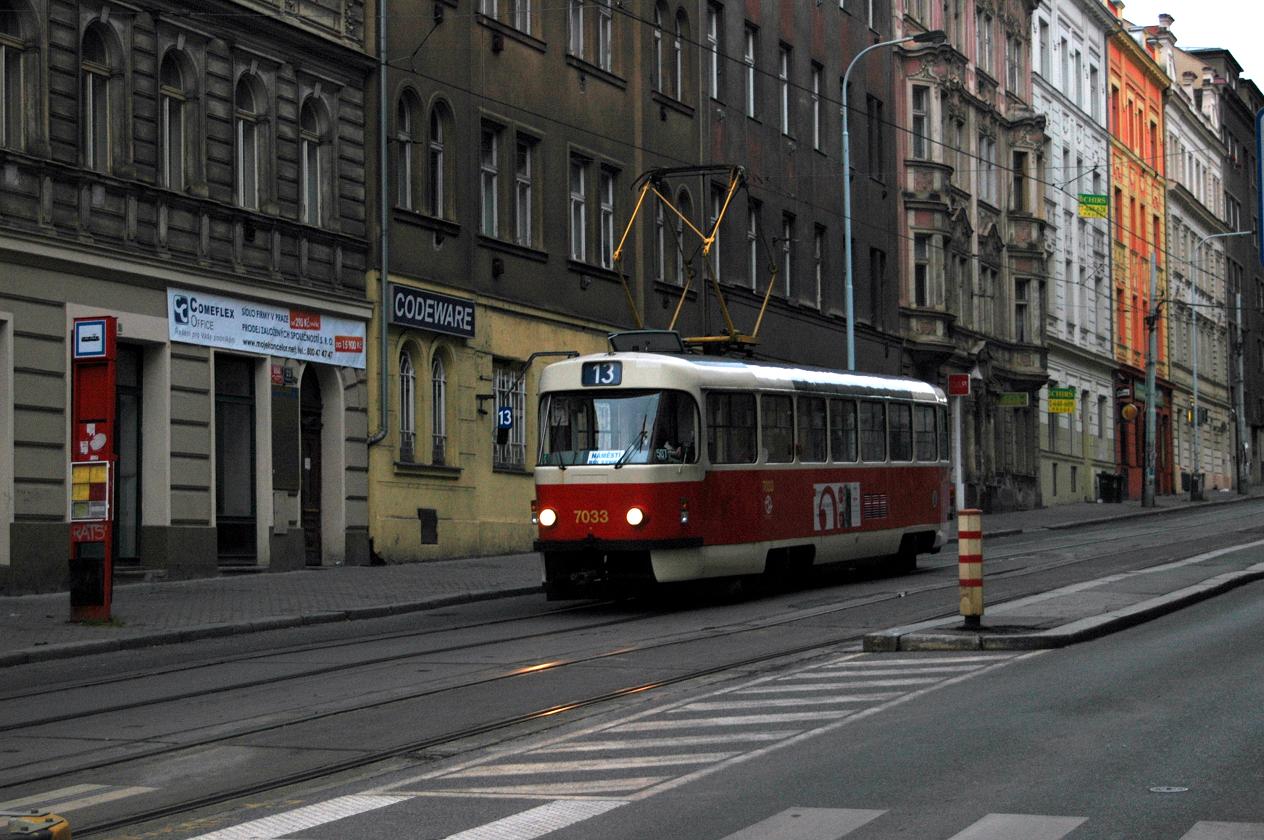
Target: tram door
(309,451)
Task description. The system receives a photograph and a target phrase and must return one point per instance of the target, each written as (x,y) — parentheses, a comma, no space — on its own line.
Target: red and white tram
(664,467)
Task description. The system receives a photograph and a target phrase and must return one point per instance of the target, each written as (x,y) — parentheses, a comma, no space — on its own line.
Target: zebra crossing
(656,750)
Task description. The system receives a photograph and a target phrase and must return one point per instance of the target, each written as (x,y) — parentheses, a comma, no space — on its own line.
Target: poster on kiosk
(92,456)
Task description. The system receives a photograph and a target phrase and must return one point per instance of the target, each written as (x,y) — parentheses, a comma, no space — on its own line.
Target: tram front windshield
(614,428)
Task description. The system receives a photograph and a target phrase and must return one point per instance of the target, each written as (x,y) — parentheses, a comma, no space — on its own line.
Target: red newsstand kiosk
(92,468)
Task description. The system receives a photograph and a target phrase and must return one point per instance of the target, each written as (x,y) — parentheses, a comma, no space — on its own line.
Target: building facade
(1068,75)
(973,255)
(518,137)
(1136,87)
(185,172)
(1240,101)
(1198,273)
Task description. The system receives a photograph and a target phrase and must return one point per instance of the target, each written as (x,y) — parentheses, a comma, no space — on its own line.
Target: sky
(1233,24)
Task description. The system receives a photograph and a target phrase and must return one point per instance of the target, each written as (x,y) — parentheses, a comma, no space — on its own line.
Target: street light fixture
(1195,483)
(935,36)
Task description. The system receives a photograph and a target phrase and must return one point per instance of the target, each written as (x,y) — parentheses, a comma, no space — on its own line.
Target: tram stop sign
(958,384)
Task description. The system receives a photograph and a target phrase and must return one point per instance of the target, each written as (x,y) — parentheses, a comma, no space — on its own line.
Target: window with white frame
(438,164)
(606,220)
(678,54)
(921,269)
(248,118)
(408,147)
(524,191)
(438,412)
(921,121)
(489,179)
(95,100)
(579,208)
(816,106)
(984,44)
(407,407)
(752,243)
(657,78)
(172,103)
(987,169)
(511,394)
(605,35)
(660,242)
(783,81)
(685,207)
(575,18)
(520,15)
(818,265)
(12,88)
(1022,318)
(715,29)
(312,160)
(718,194)
(748,64)
(1013,63)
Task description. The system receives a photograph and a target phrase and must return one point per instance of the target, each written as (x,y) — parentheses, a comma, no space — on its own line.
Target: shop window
(235,511)
(128,442)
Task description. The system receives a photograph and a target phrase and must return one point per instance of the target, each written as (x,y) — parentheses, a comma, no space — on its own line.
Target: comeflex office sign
(430,311)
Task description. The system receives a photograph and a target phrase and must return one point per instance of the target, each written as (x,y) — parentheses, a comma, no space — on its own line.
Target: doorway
(311,409)
(128,412)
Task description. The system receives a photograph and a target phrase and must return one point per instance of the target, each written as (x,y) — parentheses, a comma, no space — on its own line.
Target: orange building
(1137,85)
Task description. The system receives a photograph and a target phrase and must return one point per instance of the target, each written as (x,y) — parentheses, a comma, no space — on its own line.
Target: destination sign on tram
(601,373)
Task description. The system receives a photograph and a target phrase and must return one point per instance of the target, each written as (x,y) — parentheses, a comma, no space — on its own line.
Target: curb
(67,650)
(922,637)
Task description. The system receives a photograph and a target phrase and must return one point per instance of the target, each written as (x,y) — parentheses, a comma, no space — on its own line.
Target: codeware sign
(234,324)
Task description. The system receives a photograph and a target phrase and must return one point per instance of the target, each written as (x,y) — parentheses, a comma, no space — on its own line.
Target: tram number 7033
(592,517)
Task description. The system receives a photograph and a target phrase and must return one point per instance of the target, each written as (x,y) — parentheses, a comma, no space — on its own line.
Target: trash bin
(1110,487)
(1196,483)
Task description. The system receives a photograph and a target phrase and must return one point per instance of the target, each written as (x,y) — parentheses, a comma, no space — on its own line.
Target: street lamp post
(1195,483)
(936,36)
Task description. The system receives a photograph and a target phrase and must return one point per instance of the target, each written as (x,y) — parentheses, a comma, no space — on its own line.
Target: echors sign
(430,311)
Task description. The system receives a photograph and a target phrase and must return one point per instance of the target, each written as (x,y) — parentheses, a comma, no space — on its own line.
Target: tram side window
(731,428)
(943,434)
(842,420)
(812,439)
(900,419)
(777,420)
(873,431)
(924,433)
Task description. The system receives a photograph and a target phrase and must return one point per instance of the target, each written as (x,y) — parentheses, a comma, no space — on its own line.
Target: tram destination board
(601,373)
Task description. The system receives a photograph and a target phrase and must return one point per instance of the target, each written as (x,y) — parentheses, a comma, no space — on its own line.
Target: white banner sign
(233,324)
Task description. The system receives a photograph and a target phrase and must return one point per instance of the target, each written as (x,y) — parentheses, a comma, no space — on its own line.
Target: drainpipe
(383,225)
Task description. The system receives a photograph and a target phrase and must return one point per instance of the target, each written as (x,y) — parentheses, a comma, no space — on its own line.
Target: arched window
(658,80)
(678,55)
(407,407)
(172,100)
(311,163)
(407,136)
(439,411)
(439,164)
(249,130)
(12,90)
(95,100)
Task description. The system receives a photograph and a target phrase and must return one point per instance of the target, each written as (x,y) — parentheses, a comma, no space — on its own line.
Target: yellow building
(441,483)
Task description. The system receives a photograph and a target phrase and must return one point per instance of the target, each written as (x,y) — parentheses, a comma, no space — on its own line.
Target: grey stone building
(186,169)
(518,132)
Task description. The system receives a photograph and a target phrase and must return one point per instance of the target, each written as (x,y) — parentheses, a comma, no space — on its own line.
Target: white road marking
(773,688)
(98,799)
(48,798)
(588,765)
(538,822)
(1225,831)
(882,662)
(786,702)
(808,824)
(727,738)
(564,789)
(735,720)
(1026,826)
(869,683)
(301,819)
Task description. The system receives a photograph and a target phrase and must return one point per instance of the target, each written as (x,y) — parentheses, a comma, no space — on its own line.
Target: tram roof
(714,372)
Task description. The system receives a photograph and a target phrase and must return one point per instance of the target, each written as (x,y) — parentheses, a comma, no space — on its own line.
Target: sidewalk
(35,627)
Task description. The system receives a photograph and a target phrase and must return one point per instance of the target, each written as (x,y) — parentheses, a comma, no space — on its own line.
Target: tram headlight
(548,517)
(635,516)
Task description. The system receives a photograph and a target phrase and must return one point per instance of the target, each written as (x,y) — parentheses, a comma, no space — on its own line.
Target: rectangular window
(1022,325)
(489,175)
(813,443)
(783,80)
(983,40)
(900,417)
(987,169)
(776,421)
(576,21)
(579,209)
(752,243)
(787,252)
(1042,41)
(921,269)
(1018,196)
(816,106)
(748,61)
(607,218)
(873,431)
(1077,74)
(1095,93)
(731,428)
(605,35)
(715,28)
(511,393)
(10,96)
(524,183)
(818,265)
(921,116)
(842,420)
(660,242)
(876,149)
